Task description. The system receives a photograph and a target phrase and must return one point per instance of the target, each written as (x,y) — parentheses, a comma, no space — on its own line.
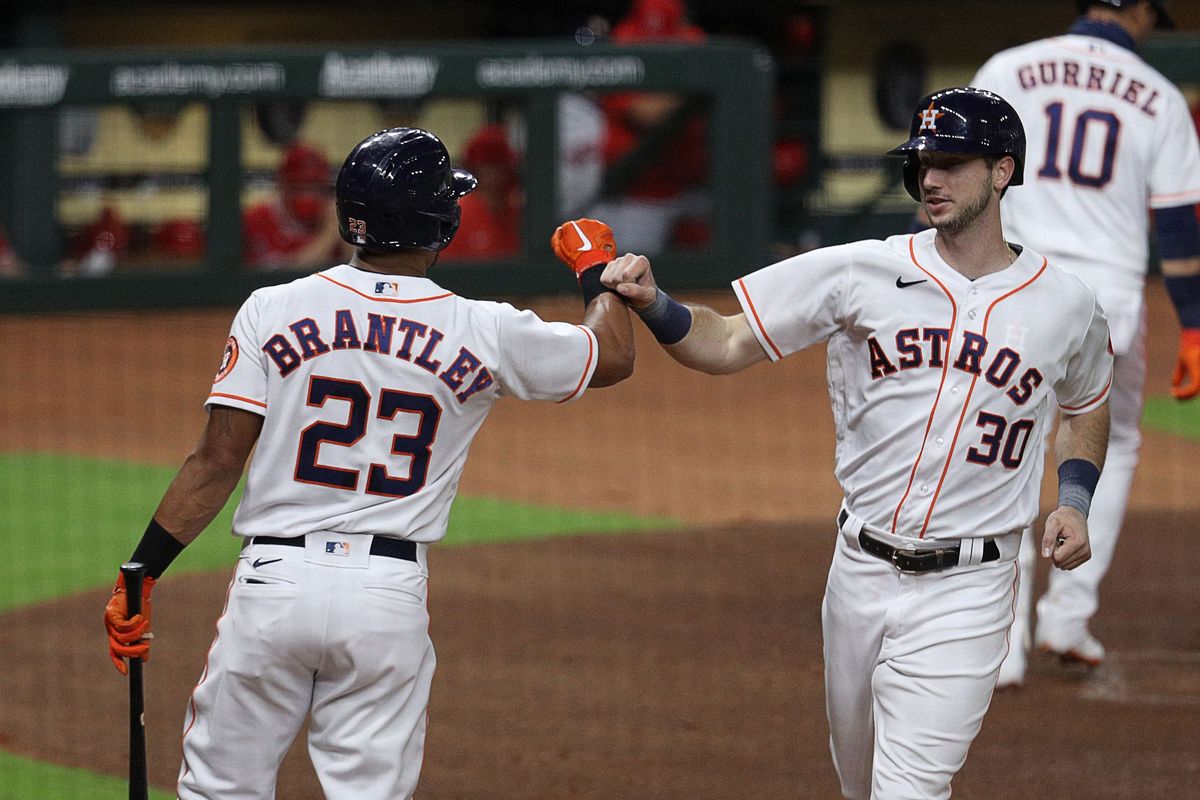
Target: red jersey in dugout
(270,238)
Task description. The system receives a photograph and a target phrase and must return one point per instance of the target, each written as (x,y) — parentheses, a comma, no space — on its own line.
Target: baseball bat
(139,789)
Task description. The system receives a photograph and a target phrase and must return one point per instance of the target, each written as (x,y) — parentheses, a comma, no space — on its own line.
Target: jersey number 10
(391,403)
(1104,122)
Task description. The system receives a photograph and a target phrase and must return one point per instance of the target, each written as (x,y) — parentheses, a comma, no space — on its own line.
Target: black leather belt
(380,545)
(927,560)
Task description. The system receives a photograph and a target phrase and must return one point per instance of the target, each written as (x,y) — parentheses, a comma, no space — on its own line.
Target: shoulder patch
(228,359)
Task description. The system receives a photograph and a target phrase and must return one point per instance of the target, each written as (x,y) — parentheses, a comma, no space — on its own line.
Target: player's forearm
(210,474)
(716,344)
(1084,436)
(608,317)
(198,493)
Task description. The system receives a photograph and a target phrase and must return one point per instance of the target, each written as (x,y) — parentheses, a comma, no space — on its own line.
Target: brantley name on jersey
(418,343)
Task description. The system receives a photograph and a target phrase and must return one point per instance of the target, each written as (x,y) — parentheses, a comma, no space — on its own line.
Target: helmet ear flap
(912,176)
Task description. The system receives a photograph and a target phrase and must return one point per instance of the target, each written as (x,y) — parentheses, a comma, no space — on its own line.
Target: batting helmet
(1164,19)
(397,191)
(962,120)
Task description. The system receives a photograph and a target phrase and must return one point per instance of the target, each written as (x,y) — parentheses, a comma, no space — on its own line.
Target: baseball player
(362,386)
(948,352)
(1108,137)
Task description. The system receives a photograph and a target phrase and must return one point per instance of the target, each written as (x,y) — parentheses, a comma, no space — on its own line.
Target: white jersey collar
(383,288)
(927,258)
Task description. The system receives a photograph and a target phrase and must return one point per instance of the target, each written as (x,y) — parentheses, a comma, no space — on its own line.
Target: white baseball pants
(345,638)
(910,664)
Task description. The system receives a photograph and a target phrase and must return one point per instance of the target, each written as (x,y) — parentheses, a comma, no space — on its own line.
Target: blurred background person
(299,229)
(178,241)
(97,248)
(11,265)
(655,146)
(491,215)
(1108,163)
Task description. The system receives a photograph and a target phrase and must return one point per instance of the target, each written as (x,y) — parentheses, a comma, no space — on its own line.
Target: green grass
(70,521)
(26,779)
(1168,415)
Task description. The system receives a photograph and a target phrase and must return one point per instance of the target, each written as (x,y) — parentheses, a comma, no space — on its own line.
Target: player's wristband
(1178,232)
(1185,294)
(157,549)
(1077,480)
(668,320)
(589,283)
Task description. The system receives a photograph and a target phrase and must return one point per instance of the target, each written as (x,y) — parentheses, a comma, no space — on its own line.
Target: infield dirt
(680,664)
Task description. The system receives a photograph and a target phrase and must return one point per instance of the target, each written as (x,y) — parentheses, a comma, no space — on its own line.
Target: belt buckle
(900,554)
(918,561)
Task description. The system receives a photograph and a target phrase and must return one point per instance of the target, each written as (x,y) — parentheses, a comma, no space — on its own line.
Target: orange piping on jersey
(967,400)
(237,397)
(945,367)
(1190,193)
(757,320)
(586,367)
(1094,399)
(203,678)
(385,299)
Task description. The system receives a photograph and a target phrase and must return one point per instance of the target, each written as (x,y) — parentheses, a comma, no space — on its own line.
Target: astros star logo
(929,118)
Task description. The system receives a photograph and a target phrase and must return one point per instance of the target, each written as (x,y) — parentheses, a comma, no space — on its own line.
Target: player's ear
(1002,172)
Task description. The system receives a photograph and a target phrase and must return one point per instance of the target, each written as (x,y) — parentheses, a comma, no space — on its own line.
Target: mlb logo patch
(337,548)
(390,288)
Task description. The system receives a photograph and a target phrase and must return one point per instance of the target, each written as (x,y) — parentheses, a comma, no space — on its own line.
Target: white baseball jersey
(372,387)
(941,386)
(1107,137)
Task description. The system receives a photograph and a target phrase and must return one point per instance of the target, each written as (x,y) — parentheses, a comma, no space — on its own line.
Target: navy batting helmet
(1164,19)
(398,191)
(962,120)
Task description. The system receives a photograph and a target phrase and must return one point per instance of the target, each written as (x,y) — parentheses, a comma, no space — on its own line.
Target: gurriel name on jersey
(418,343)
(1090,78)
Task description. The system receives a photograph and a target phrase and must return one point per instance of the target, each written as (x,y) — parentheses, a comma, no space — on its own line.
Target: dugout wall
(55,175)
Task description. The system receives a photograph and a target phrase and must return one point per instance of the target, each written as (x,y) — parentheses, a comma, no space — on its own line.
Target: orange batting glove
(128,637)
(1185,383)
(583,243)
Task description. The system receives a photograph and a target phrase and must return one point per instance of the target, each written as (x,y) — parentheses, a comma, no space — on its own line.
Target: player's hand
(1065,541)
(128,638)
(583,243)
(1185,383)
(630,277)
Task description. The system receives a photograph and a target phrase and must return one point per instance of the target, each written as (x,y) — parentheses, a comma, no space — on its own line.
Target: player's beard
(967,212)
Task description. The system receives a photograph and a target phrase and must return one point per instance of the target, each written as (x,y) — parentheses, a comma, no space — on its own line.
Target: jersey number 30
(391,403)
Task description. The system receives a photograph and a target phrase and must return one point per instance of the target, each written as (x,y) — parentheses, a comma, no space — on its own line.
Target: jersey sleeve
(241,380)
(796,302)
(1089,372)
(543,360)
(1175,174)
